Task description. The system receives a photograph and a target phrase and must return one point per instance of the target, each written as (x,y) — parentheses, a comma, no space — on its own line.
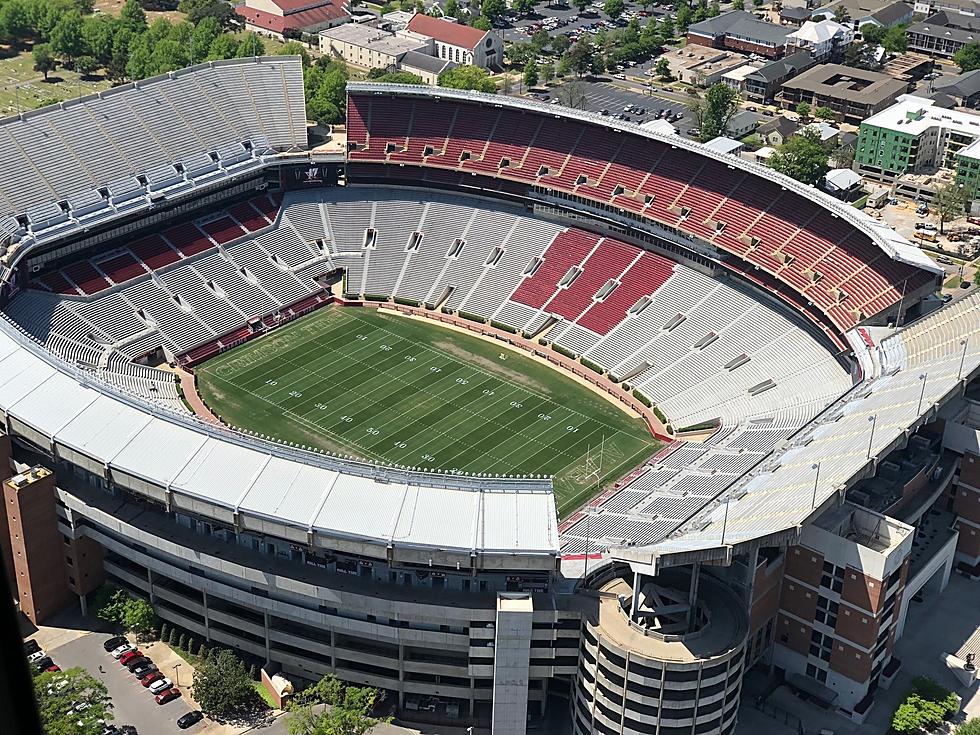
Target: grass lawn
(18,78)
(410,392)
(952,282)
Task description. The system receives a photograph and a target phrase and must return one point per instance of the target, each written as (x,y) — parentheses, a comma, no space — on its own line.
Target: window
(827,611)
(833,577)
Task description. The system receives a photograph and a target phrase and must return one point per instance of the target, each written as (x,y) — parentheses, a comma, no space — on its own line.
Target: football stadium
(518,413)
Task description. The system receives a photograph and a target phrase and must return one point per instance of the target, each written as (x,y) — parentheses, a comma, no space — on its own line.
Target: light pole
(816,482)
(922,393)
(964,342)
(177,674)
(873,419)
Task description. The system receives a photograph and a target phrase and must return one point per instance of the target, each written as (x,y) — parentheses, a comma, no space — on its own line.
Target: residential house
(777,131)
(823,39)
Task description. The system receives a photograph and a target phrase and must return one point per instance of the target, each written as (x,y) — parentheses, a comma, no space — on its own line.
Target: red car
(53,667)
(127,657)
(166,695)
(150,678)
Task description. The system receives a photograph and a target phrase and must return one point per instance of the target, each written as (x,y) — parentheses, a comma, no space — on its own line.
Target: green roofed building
(914,136)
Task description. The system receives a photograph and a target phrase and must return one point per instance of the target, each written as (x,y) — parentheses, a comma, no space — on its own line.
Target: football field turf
(410,392)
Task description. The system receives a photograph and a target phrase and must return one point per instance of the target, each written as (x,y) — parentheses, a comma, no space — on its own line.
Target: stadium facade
(183,215)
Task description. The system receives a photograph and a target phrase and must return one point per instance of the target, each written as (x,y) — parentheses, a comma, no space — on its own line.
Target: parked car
(143,669)
(167,695)
(129,656)
(52,668)
(947,298)
(36,656)
(159,685)
(191,718)
(125,648)
(30,647)
(151,678)
(945,260)
(135,663)
(928,226)
(115,642)
(43,663)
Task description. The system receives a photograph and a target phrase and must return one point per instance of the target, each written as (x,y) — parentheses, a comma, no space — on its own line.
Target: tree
(221,685)
(684,17)
(971,726)
(546,72)
(325,83)
(531,73)
(560,44)
(802,157)
(172,638)
(60,694)
(250,46)
(295,48)
(493,9)
(182,642)
(15,22)
(614,8)
(132,16)
(223,47)
(580,56)
(968,57)
(823,113)
(66,36)
(482,23)
(97,33)
(895,40)
(949,202)
(662,70)
(581,5)
(467,77)
(452,8)
(572,94)
(873,34)
(395,77)
(349,711)
(222,11)
(523,7)
(841,157)
(518,54)
(714,111)
(86,65)
(803,110)
(738,5)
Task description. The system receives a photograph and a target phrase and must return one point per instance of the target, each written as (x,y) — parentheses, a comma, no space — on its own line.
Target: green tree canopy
(71,702)
(971,726)
(714,111)
(949,202)
(250,46)
(802,157)
(132,16)
(873,33)
(614,8)
(222,686)
(531,73)
(394,77)
(523,7)
(662,69)
(66,36)
(493,9)
(895,40)
(968,57)
(467,77)
(823,113)
(546,72)
(348,710)
(223,47)
(44,60)
(326,90)
(15,22)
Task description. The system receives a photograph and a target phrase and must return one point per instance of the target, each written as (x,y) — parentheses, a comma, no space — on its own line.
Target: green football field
(410,392)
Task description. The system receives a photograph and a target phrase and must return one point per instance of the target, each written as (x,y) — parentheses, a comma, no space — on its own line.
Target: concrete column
(149,584)
(207,617)
(637,583)
(692,595)
(401,675)
(83,604)
(268,643)
(511,663)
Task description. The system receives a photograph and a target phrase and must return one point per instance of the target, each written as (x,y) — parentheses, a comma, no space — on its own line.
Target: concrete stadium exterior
(457,594)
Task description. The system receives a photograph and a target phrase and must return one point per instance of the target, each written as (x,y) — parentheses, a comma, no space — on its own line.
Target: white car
(158,686)
(36,656)
(124,649)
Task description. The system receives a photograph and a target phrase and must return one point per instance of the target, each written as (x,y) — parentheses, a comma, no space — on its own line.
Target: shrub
(703,426)
(562,351)
(928,704)
(164,632)
(182,642)
(970,727)
(472,317)
(446,310)
(172,638)
(504,327)
(643,399)
(593,366)
(659,414)
(374,297)
(407,302)
(191,646)
(254,672)
(543,341)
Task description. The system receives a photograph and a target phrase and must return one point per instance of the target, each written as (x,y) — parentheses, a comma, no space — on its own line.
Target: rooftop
(784,66)
(950,25)
(455,34)
(425,62)
(848,84)
(743,24)
(914,115)
(368,37)
(819,31)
